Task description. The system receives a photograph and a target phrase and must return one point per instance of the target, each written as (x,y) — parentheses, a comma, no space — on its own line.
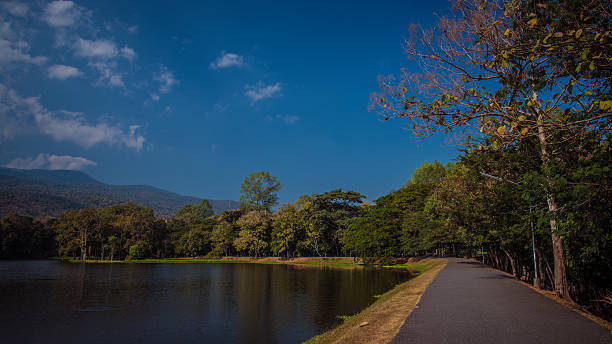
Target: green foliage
(137,252)
(22,237)
(375,234)
(254,236)
(287,230)
(195,213)
(258,191)
(326,217)
(430,173)
(193,243)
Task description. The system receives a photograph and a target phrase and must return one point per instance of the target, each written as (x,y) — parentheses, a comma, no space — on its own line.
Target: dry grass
(385,317)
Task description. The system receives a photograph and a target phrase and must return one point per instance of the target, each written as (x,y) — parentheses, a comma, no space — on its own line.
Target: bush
(137,252)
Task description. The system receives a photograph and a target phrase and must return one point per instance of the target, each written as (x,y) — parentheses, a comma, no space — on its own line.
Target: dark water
(55,302)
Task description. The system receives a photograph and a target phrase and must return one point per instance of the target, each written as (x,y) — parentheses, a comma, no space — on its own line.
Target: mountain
(50,193)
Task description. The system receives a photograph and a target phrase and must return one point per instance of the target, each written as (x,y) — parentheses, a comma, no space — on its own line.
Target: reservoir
(57,302)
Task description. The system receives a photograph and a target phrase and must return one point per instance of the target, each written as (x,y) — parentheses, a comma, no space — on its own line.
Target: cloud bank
(21,113)
(51,162)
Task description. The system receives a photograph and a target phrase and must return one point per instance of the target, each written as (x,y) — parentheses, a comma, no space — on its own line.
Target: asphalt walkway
(470,303)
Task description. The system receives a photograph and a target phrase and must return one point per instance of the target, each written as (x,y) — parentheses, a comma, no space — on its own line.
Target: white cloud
(14,50)
(133,29)
(62,125)
(288,119)
(16,113)
(134,140)
(109,77)
(128,53)
(227,60)
(16,8)
(63,72)
(260,91)
(61,13)
(51,162)
(100,48)
(166,80)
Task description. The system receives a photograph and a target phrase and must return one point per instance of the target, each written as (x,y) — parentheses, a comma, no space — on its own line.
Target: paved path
(470,303)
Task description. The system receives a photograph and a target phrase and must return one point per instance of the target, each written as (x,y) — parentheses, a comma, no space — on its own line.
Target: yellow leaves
(584,54)
(404,89)
(592,65)
(505,63)
(605,105)
(507,33)
(532,22)
(524,131)
(501,130)
(589,93)
(522,118)
(578,33)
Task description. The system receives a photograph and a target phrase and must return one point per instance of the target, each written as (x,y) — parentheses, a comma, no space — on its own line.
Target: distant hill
(50,193)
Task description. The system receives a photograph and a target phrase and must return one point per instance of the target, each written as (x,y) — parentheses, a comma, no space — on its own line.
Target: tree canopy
(259,191)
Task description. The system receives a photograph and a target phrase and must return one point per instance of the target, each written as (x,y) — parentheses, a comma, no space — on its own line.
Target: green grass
(324,262)
(161,260)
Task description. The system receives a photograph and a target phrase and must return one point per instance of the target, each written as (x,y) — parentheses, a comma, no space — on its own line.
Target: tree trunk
(561,283)
(541,271)
(512,263)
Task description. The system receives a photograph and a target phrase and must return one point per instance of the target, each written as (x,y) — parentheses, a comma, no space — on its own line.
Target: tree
(258,191)
(429,173)
(192,214)
(375,234)
(222,237)
(500,73)
(287,230)
(193,243)
(327,215)
(254,236)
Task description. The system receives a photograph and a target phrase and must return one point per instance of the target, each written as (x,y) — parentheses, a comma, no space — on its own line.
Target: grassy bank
(381,321)
(338,262)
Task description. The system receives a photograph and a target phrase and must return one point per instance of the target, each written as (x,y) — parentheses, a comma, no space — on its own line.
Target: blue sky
(193,96)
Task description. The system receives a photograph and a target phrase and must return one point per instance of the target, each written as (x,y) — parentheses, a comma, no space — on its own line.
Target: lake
(58,302)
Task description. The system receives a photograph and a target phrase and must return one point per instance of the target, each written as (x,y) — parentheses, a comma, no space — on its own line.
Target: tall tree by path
(502,72)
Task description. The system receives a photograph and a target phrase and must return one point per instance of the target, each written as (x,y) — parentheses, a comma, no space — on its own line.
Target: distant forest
(40,193)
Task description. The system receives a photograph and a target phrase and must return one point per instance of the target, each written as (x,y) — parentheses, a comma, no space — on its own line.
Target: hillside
(51,193)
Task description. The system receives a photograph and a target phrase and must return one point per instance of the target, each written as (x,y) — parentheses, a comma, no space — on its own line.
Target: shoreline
(337,262)
(381,320)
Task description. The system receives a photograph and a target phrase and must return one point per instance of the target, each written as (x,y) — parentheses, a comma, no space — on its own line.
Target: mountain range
(40,193)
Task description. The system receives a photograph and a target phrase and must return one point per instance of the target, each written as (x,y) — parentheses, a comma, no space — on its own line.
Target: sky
(192,96)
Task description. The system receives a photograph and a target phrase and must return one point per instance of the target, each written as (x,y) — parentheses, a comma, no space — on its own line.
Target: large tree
(497,73)
(259,191)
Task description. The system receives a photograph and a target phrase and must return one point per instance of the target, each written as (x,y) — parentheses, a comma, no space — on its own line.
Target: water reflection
(49,301)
